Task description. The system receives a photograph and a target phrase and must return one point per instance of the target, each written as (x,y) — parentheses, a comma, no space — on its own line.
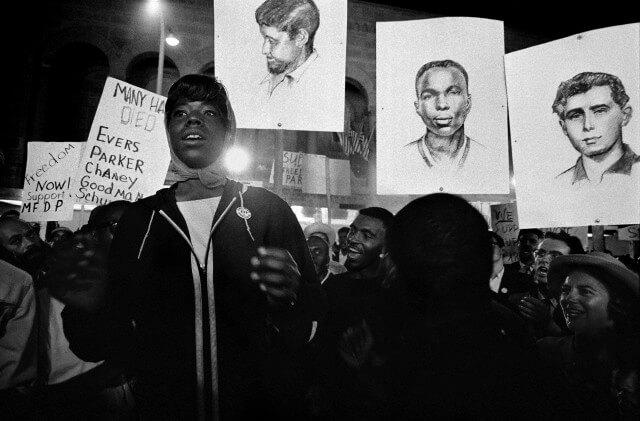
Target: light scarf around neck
(212,176)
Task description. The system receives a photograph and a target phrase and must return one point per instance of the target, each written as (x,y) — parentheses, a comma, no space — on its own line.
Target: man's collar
(623,165)
(460,155)
(297,73)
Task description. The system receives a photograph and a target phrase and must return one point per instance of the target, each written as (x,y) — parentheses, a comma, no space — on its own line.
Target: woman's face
(584,300)
(197,133)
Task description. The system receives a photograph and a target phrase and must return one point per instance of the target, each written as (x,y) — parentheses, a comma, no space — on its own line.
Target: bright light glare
(172,40)
(237,159)
(153,6)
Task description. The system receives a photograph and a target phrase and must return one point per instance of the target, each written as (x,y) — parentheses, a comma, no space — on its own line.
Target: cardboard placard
(441,107)
(273,81)
(573,140)
(48,181)
(292,163)
(127,152)
(314,179)
(504,222)
(629,233)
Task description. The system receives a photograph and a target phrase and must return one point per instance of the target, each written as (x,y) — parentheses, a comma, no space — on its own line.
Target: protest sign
(314,178)
(47,181)
(412,128)
(292,169)
(572,170)
(629,233)
(127,153)
(504,222)
(251,64)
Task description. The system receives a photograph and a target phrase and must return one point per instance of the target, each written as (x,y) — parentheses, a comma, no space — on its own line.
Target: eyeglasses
(541,253)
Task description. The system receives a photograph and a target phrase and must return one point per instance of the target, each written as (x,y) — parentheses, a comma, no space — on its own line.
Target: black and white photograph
(310,210)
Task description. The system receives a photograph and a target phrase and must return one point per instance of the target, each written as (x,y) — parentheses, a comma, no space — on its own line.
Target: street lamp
(154,6)
(171,39)
(237,159)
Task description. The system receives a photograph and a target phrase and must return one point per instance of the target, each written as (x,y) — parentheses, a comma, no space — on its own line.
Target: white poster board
(127,152)
(504,222)
(407,163)
(46,195)
(551,188)
(310,96)
(314,179)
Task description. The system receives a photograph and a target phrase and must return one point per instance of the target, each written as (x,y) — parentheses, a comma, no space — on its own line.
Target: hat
(65,229)
(320,227)
(618,275)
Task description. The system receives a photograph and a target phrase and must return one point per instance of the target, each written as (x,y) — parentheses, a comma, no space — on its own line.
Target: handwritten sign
(504,222)
(292,169)
(127,153)
(47,181)
(629,233)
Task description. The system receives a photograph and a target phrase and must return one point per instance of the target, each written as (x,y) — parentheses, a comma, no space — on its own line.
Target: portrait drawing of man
(592,109)
(443,102)
(288,29)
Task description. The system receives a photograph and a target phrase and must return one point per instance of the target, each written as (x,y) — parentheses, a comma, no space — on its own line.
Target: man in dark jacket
(458,358)
(360,322)
(212,292)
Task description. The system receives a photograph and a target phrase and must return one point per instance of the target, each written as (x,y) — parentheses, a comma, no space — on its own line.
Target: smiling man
(443,102)
(592,109)
(358,321)
(288,29)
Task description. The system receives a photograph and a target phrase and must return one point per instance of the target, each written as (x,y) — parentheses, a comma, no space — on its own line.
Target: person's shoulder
(479,152)
(475,144)
(261,195)
(635,162)
(153,201)
(10,274)
(567,174)
(413,143)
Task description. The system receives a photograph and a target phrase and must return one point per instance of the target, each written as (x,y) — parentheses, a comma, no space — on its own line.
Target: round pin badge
(243,212)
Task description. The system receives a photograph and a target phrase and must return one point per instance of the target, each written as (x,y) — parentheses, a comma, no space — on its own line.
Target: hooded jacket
(199,336)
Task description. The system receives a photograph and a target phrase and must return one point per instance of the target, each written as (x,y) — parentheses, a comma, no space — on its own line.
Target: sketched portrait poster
(287,72)
(575,120)
(448,131)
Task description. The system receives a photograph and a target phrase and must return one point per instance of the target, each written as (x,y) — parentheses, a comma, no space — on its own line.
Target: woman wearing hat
(597,365)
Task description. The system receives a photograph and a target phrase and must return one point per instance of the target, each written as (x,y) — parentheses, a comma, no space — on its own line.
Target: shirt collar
(621,166)
(461,154)
(296,74)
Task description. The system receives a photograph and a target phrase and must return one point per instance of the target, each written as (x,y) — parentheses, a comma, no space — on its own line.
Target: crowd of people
(208,300)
